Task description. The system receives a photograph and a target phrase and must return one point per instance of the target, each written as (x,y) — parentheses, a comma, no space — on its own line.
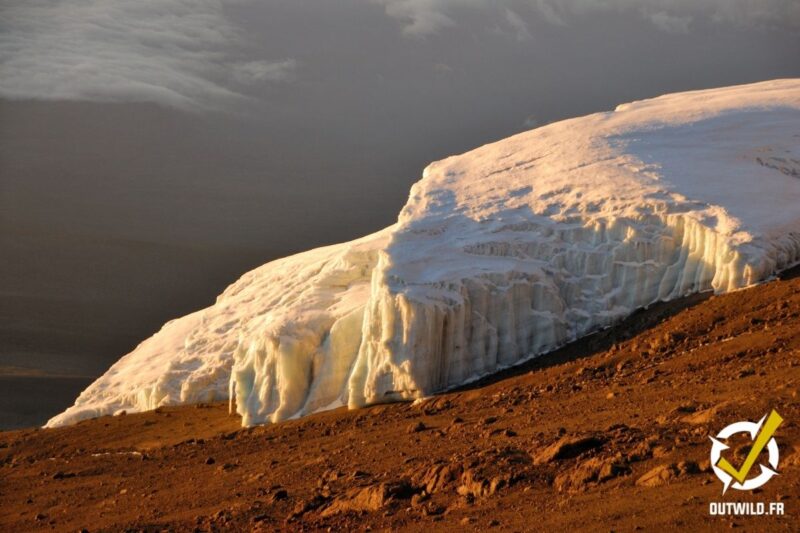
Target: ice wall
(420,340)
(280,318)
(500,254)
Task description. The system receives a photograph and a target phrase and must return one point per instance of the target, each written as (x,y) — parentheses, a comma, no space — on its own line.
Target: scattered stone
(418,499)
(660,475)
(437,477)
(222,515)
(210,461)
(305,506)
(280,494)
(660,451)
(259,518)
(686,408)
(474,487)
(688,467)
(640,452)
(705,416)
(416,428)
(591,471)
(566,448)
(432,509)
(370,498)
(611,470)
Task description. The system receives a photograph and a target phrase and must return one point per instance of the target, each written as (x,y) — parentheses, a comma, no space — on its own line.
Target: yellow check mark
(767,430)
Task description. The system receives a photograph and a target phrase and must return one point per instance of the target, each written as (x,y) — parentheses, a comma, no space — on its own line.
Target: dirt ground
(608,434)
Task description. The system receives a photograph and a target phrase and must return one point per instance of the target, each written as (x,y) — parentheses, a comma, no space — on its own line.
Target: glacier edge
(410,346)
(500,254)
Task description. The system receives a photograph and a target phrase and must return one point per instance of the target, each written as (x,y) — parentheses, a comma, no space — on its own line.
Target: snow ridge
(500,254)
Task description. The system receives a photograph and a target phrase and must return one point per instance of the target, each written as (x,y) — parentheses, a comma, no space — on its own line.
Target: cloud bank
(425,17)
(180,53)
(189,54)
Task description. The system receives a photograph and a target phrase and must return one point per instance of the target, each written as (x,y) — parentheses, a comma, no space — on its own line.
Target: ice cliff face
(500,254)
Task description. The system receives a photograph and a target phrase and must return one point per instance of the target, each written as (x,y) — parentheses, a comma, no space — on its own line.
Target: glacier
(500,254)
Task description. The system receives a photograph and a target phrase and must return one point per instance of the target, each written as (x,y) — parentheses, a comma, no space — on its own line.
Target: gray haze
(151,152)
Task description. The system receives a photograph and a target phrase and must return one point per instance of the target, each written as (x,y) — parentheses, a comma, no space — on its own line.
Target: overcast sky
(216,54)
(334,107)
(250,129)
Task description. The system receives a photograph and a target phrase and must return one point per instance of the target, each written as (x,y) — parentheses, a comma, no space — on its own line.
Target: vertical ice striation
(424,337)
(499,255)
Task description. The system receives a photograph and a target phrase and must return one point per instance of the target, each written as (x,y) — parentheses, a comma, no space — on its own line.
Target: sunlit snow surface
(500,254)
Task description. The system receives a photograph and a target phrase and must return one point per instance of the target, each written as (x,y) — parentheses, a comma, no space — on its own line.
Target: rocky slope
(608,433)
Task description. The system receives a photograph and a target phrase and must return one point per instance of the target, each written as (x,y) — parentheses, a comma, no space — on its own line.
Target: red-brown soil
(608,434)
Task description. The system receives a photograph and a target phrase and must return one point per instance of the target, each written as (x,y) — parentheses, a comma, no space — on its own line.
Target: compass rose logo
(761,433)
